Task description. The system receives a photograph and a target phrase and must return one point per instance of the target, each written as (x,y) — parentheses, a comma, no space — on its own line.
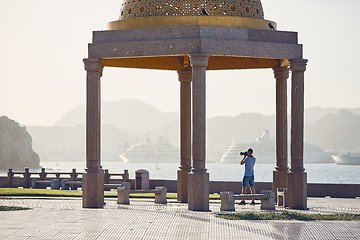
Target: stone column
(185,135)
(198,177)
(297,179)
(280,173)
(93,178)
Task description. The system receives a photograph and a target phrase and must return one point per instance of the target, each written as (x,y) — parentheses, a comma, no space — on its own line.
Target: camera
(243,153)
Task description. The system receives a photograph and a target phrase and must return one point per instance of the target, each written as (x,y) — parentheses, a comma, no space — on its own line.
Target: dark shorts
(248,181)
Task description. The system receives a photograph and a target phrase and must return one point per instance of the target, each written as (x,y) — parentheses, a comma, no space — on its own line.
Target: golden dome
(231,13)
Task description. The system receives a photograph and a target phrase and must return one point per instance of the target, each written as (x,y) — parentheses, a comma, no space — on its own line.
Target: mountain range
(130,121)
(128,115)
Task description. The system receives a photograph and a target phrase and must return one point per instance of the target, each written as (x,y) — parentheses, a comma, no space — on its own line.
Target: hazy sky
(43,43)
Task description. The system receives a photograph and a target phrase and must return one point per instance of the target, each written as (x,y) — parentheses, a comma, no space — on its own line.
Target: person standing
(248,179)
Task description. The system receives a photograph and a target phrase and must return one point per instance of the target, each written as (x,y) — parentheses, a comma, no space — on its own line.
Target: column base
(297,190)
(93,189)
(198,191)
(182,186)
(279,180)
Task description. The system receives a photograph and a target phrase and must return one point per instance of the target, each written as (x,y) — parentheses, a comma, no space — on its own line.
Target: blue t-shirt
(249,166)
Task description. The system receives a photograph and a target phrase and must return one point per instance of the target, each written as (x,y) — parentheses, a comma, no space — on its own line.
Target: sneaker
(252,203)
(242,202)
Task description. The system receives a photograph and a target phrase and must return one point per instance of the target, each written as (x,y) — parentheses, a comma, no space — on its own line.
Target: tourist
(248,179)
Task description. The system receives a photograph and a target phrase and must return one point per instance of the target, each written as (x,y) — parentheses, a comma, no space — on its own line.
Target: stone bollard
(227,201)
(123,195)
(268,204)
(160,195)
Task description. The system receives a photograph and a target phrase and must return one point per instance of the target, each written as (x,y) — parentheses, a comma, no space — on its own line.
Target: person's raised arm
(242,162)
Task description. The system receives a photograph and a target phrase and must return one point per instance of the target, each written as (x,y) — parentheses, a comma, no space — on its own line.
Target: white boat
(265,151)
(159,152)
(347,158)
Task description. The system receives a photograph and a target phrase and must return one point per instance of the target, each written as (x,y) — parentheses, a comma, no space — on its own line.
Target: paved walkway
(64,218)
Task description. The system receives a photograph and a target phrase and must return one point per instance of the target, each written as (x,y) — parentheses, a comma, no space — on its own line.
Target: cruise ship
(160,151)
(265,151)
(347,158)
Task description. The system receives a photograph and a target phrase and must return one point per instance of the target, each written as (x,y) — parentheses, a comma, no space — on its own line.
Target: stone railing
(25,179)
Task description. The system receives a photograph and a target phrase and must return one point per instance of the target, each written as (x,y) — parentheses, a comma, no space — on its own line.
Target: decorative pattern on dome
(148,8)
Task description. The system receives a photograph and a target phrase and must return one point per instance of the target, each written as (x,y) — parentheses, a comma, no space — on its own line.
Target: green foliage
(12,208)
(38,192)
(32,192)
(289,215)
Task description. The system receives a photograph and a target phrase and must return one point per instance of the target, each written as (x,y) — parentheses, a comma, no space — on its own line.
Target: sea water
(316,173)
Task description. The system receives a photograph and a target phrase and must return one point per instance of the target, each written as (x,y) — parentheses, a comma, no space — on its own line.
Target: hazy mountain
(16,149)
(314,114)
(339,131)
(128,115)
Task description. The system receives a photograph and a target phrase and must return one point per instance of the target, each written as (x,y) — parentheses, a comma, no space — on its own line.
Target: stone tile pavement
(64,218)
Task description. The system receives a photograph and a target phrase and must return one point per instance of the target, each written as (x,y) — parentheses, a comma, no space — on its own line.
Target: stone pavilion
(192,37)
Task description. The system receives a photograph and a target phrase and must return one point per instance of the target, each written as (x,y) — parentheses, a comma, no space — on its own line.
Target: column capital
(298,65)
(281,73)
(185,75)
(199,60)
(93,65)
